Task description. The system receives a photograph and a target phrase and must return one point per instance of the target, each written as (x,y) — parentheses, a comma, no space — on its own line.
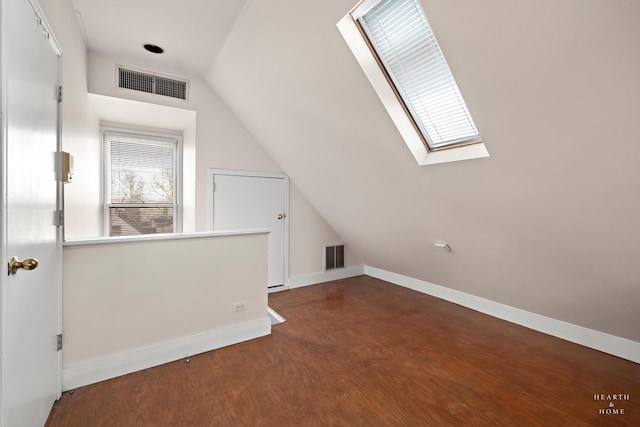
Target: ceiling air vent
(152,83)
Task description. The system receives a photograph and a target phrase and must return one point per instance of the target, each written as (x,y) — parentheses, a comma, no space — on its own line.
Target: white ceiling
(191,32)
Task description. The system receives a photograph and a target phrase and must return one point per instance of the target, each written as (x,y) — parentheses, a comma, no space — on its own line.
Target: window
(141,183)
(399,53)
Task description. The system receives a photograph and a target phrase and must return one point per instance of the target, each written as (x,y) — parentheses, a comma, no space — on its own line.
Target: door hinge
(59,218)
(59,93)
(59,342)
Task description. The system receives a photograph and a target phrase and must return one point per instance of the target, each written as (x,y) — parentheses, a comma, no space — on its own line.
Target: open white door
(244,201)
(30,297)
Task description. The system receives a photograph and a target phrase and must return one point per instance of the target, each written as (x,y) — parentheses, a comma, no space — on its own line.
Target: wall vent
(334,257)
(143,81)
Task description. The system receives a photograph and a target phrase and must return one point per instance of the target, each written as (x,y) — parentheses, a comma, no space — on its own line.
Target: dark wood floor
(362,352)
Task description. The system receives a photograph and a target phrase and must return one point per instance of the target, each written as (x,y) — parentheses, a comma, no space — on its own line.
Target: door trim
(215,171)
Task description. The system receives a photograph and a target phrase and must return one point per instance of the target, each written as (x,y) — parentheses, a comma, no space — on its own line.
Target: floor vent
(152,83)
(334,257)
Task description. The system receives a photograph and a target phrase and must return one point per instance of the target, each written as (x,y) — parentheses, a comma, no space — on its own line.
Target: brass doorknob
(27,264)
(280,216)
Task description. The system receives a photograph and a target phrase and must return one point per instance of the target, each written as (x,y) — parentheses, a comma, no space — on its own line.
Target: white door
(31,364)
(249,202)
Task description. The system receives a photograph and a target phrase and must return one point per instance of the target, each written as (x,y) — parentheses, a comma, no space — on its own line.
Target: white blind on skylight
(403,40)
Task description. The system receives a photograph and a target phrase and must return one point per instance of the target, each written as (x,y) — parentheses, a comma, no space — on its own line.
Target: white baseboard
(601,341)
(113,366)
(326,276)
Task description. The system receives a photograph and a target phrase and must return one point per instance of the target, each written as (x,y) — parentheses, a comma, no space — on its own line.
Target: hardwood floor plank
(363,352)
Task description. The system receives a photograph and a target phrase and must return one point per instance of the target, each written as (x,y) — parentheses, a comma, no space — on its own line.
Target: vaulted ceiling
(547,223)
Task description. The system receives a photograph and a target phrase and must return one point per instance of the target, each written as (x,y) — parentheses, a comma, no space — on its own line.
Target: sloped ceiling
(548,223)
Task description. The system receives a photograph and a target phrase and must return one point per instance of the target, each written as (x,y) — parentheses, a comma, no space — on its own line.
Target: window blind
(141,172)
(140,196)
(403,40)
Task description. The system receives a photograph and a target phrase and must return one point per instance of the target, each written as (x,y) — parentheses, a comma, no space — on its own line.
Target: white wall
(80,123)
(118,319)
(221,141)
(130,294)
(309,236)
(547,224)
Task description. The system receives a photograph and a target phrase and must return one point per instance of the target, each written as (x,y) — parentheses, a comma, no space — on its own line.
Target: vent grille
(151,83)
(334,257)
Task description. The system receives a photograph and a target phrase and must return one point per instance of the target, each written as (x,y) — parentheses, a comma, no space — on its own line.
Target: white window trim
(104,131)
(354,39)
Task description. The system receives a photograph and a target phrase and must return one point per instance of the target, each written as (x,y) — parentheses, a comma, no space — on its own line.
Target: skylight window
(403,59)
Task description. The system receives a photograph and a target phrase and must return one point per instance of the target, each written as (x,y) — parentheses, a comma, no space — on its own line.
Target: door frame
(4,255)
(212,172)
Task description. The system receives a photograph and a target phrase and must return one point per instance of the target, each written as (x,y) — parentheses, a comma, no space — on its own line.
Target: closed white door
(31,363)
(250,202)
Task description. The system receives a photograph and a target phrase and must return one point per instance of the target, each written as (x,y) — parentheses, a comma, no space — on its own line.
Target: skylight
(412,69)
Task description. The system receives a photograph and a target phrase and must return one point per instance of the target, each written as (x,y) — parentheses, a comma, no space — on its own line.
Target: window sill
(467,152)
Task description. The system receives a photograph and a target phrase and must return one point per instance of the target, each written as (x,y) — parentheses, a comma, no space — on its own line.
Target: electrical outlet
(239,306)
